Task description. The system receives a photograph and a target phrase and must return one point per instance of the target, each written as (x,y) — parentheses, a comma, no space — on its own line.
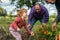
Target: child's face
(24,14)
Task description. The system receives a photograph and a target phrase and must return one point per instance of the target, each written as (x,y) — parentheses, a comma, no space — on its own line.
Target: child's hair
(21,11)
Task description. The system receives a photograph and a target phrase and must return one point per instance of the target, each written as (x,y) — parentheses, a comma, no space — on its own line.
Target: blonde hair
(21,12)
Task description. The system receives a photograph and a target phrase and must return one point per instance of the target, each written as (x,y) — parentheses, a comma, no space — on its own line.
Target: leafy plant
(47,33)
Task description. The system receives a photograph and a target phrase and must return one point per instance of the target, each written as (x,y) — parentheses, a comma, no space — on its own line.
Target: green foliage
(29,3)
(3,12)
(48,33)
(39,35)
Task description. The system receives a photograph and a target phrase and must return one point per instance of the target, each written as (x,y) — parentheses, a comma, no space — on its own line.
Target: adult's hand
(28,25)
(43,24)
(54,25)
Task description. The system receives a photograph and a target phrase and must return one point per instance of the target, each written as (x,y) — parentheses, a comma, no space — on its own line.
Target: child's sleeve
(16,23)
(25,26)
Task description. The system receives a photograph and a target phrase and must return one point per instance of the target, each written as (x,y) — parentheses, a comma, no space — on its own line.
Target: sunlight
(5,1)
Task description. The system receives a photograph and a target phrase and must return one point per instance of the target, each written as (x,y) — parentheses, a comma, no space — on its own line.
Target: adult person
(57,4)
(57,20)
(50,7)
(38,12)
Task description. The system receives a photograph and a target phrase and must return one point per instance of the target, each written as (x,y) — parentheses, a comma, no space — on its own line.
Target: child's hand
(32,33)
(18,29)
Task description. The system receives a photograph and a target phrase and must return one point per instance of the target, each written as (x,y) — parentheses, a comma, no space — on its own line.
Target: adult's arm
(46,16)
(30,15)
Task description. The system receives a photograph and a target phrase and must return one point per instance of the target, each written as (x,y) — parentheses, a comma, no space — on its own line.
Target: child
(19,23)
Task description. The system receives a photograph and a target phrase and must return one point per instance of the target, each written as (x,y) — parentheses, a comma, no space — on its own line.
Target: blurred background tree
(3,12)
(29,3)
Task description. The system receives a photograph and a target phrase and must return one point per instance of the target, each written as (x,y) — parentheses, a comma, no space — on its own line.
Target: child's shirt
(19,23)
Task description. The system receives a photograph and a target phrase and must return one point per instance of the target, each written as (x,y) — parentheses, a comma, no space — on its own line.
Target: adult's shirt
(57,3)
(42,14)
